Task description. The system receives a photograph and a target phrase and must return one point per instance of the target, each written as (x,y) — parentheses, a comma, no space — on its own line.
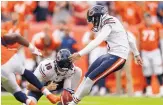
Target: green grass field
(95,100)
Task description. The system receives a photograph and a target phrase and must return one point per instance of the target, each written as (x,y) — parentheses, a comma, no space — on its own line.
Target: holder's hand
(74,57)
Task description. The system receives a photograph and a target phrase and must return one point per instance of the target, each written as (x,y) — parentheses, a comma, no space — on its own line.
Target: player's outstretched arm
(132,44)
(50,86)
(93,44)
(16,38)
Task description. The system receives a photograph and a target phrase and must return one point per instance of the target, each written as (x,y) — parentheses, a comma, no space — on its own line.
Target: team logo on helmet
(91,12)
(58,57)
(103,10)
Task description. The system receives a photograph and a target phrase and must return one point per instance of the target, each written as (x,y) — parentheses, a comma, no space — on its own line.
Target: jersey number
(48,66)
(149,35)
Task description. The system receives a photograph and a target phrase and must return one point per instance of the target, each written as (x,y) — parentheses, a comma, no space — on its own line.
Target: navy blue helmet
(63,61)
(95,14)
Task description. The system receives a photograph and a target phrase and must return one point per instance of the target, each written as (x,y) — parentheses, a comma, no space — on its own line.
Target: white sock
(83,90)
(45,91)
(149,91)
(28,101)
(161,90)
(79,88)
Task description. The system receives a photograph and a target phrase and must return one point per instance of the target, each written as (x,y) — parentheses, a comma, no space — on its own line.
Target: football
(66,97)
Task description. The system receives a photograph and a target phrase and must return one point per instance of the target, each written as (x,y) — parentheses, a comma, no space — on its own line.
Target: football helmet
(95,14)
(62,60)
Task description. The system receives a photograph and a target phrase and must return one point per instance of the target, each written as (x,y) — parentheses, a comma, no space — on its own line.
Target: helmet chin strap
(60,72)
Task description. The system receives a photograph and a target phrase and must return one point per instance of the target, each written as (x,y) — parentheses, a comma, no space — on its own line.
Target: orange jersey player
(149,38)
(151,7)
(11,64)
(43,41)
(129,12)
(16,26)
(22,8)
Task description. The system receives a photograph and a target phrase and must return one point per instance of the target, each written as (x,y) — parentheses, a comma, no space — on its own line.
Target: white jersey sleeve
(132,43)
(104,32)
(85,38)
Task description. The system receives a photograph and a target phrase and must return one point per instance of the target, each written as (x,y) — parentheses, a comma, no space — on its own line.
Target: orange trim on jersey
(113,67)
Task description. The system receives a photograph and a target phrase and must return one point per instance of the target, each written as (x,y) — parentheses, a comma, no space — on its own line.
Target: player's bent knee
(33,99)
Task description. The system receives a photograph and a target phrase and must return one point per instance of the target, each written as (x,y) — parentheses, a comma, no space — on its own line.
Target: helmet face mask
(62,71)
(64,64)
(96,23)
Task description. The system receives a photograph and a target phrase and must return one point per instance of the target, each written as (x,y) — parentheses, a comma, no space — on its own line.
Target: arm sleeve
(132,44)
(85,38)
(98,40)
(67,83)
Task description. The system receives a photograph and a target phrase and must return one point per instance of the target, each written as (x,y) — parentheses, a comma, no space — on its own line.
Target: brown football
(66,97)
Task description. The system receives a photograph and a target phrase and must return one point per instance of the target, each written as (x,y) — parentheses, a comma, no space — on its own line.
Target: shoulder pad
(108,21)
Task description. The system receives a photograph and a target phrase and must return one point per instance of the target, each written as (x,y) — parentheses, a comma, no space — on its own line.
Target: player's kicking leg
(102,67)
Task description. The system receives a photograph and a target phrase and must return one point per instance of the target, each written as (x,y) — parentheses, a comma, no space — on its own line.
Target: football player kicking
(109,29)
(11,64)
(60,74)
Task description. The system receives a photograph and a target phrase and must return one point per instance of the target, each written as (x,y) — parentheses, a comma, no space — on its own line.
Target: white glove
(34,50)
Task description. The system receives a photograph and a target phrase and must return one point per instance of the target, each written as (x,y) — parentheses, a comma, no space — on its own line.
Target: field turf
(95,100)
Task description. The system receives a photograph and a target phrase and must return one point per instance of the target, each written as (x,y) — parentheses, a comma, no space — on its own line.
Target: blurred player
(45,42)
(19,27)
(11,64)
(111,30)
(61,73)
(150,35)
(16,26)
(59,33)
